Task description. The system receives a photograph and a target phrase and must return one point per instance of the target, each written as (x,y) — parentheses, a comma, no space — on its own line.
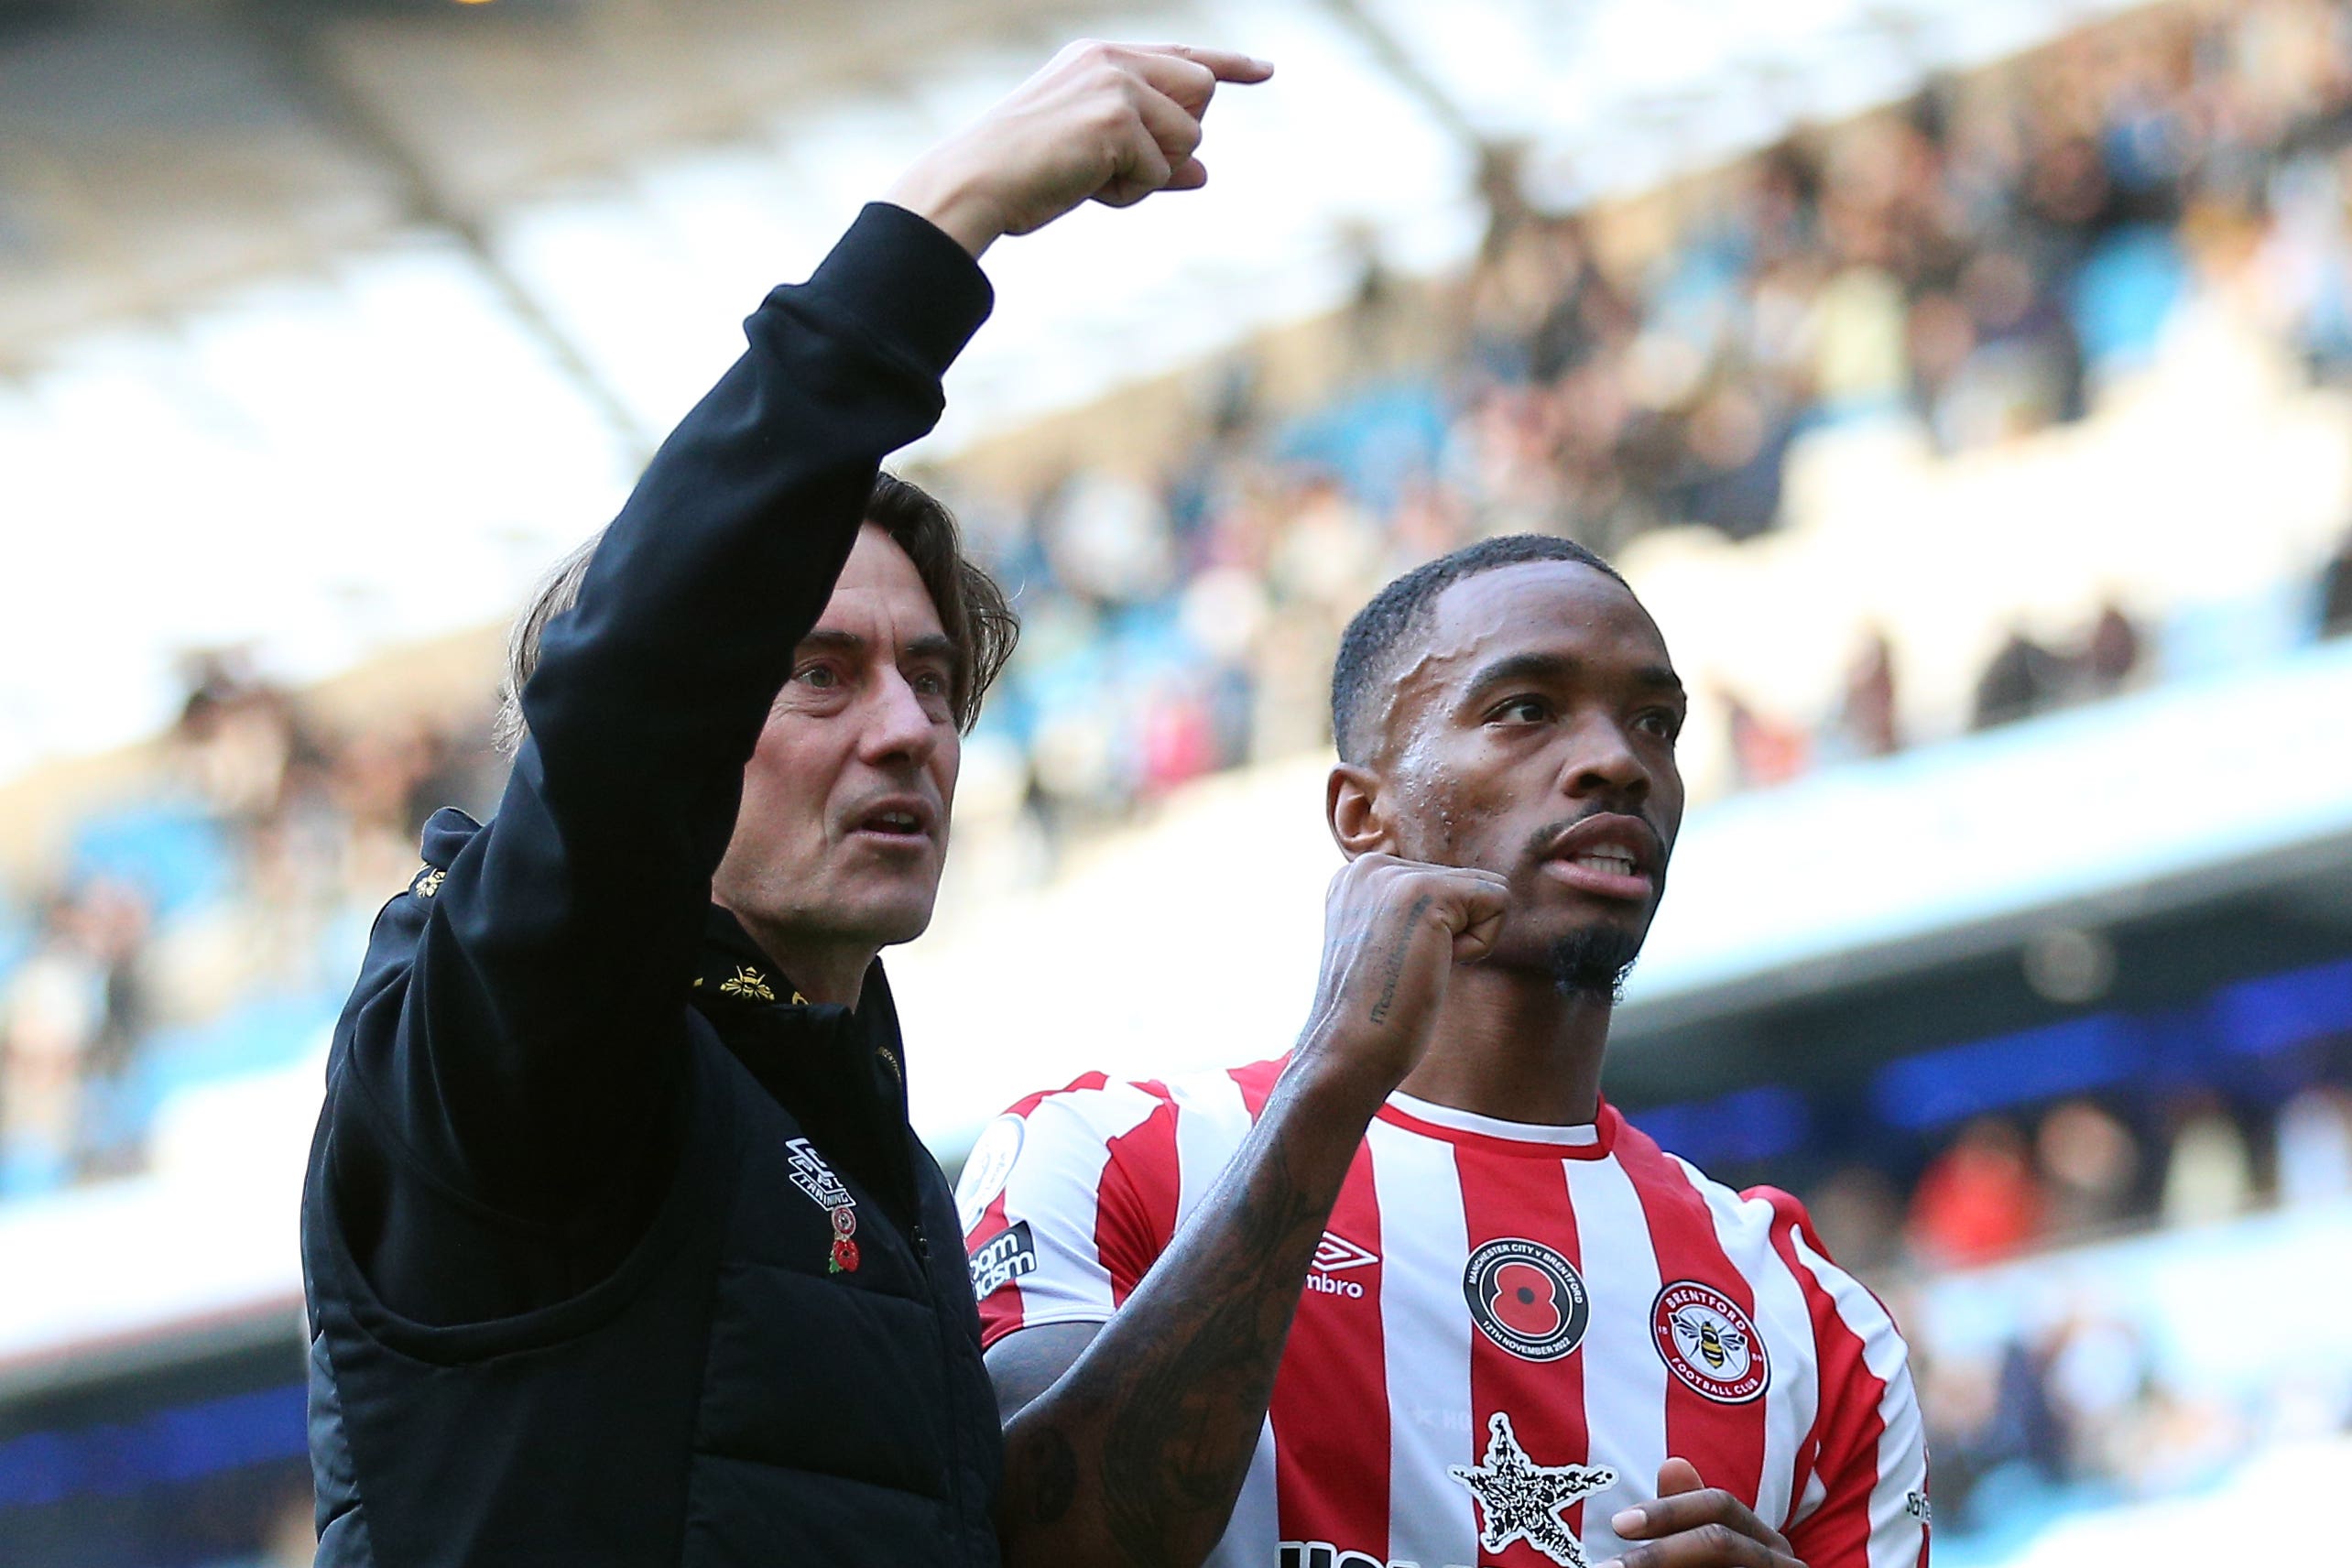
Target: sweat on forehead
(1369,648)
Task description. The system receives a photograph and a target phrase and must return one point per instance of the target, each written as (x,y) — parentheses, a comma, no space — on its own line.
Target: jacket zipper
(949,1392)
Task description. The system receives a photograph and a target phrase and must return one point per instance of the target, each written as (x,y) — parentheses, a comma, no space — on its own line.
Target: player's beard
(1593,963)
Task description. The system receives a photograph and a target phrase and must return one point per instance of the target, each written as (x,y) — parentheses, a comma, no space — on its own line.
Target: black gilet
(728,1395)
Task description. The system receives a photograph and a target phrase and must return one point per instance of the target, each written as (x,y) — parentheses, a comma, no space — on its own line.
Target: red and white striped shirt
(1506,1330)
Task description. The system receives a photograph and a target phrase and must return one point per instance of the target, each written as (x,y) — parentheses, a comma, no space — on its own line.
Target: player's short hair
(1367,649)
(973,610)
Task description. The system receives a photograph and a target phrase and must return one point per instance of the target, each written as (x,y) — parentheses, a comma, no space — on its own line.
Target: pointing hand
(1108,123)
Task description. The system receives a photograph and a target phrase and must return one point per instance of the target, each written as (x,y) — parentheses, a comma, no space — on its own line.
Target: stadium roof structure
(325,325)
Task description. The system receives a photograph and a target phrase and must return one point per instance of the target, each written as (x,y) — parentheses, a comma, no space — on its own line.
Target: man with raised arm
(618,1249)
(1416,1294)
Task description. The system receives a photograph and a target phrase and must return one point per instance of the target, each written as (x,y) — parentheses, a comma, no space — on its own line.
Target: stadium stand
(1955,377)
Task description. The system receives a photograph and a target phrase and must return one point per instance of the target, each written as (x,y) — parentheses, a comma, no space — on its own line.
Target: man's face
(844,827)
(1533,734)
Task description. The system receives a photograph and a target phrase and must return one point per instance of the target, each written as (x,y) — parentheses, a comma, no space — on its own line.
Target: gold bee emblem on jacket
(748,983)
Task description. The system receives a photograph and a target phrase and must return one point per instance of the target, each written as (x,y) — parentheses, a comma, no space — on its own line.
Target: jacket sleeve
(532,1041)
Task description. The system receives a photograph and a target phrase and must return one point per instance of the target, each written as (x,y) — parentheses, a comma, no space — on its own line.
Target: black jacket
(616,1252)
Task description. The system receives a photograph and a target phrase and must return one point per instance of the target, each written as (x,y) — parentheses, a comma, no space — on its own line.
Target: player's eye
(930,683)
(821,676)
(1521,710)
(1663,723)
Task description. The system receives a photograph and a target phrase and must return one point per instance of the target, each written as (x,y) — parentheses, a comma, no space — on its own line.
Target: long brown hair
(973,610)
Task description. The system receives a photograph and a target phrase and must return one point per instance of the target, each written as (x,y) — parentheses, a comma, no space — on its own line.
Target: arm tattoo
(1397,959)
(1171,1451)
(1053,1478)
(1136,1453)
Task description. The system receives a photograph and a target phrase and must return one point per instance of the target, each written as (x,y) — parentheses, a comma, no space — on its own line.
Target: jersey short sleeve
(1866,1504)
(1065,1204)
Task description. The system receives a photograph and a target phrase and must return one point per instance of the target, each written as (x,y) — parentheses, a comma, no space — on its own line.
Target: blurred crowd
(2024,677)
(2080,1398)
(1976,261)
(2003,1185)
(247,875)
(1979,262)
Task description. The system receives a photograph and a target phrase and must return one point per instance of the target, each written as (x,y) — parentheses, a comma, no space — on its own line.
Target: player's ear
(1352,810)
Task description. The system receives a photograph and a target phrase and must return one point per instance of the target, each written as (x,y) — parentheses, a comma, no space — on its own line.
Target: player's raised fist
(1393,931)
(1109,123)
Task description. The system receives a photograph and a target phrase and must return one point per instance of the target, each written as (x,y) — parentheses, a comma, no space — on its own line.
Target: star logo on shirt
(1520,1500)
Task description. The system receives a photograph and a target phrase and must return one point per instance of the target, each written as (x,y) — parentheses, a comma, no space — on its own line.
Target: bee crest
(748,983)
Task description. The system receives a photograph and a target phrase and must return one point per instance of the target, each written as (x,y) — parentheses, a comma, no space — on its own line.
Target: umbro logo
(1335,1253)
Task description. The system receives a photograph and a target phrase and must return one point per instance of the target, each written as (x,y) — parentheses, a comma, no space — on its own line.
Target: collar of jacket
(839,1070)
(733,972)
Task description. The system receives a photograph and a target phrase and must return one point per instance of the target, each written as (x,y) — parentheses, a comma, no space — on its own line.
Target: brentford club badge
(1526,1298)
(1709,1342)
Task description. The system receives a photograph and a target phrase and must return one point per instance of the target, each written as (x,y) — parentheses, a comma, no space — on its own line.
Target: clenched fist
(1393,931)
(1109,123)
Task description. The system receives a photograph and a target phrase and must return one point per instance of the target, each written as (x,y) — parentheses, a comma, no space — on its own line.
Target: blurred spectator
(2209,1175)
(2022,679)
(2314,1146)
(56,1006)
(2170,1441)
(1960,1402)
(1979,1201)
(2098,1373)
(2336,593)
(1764,751)
(69,1020)
(115,922)
(238,738)
(2025,677)
(2091,1163)
(1860,1216)
(2110,655)
(1867,724)
(2023,370)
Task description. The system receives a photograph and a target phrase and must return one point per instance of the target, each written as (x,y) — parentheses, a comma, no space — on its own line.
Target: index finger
(1443,872)
(1690,1510)
(1226,65)
(1709,1546)
(1189,76)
